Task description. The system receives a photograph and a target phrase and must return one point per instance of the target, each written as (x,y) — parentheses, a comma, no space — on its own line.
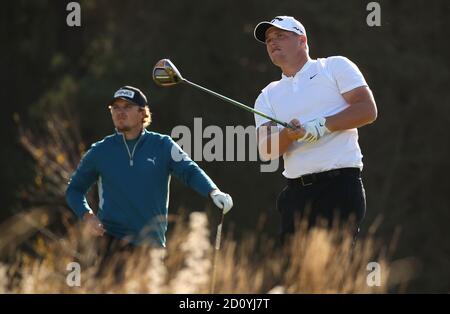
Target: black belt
(309,179)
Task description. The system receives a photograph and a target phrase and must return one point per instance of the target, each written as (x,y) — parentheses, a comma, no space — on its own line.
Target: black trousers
(113,253)
(335,194)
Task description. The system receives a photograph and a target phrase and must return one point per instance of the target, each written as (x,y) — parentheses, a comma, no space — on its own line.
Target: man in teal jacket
(133,168)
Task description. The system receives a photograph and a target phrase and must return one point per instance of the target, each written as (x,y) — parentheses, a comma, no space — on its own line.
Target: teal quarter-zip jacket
(133,184)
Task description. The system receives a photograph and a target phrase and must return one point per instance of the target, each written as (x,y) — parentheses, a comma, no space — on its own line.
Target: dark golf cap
(131,94)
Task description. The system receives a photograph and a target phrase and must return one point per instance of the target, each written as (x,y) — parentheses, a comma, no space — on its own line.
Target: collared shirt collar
(303,69)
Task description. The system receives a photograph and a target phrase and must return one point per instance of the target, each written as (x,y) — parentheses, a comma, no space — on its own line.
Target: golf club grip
(238,104)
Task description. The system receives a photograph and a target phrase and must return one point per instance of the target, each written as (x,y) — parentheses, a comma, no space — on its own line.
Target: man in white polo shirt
(325,100)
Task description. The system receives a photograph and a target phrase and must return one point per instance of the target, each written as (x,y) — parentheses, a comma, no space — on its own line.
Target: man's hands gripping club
(221,200)
(310,131)
(273,143)
(314,130)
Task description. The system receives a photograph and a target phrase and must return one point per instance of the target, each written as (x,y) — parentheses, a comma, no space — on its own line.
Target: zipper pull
(131,162)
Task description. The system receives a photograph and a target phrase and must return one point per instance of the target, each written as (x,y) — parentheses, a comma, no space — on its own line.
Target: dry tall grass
(316,261)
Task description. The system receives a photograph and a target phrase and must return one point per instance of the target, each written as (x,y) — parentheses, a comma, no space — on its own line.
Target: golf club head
(166,74)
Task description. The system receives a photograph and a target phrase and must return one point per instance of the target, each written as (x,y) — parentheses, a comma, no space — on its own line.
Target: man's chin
(123,128)
(276,60)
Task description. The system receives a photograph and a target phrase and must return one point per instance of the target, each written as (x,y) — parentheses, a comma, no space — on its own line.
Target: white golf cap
(287,23)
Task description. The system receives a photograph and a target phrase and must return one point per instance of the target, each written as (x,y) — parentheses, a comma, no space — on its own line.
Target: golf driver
(166,74)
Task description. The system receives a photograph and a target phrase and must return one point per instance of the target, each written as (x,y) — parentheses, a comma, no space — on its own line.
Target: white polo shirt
(314,92)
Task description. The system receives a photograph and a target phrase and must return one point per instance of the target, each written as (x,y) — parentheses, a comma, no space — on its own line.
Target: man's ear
(303,40)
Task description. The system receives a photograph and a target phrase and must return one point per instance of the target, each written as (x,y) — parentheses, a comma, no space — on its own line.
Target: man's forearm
(274,144)
(77,202)
(199,181)
(362,111)
(355,116)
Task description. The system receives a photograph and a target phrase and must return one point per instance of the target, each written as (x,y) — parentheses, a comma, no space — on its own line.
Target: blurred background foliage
(51,68)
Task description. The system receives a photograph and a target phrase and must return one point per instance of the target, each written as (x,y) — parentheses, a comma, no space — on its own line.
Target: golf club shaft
(216,252)
(238,104)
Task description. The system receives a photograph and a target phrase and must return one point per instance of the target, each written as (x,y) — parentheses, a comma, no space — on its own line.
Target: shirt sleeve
(187,171)
(345,73)
(262,104)
(82,179)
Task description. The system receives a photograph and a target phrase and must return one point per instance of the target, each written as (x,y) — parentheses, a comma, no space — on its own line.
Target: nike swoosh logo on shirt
(311,77)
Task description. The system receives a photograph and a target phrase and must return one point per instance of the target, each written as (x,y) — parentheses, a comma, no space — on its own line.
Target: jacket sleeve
(82,179)
(186,170)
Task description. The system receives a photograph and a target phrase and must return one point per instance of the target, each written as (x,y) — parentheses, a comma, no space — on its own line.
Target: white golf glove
(222,200)
(315,129)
